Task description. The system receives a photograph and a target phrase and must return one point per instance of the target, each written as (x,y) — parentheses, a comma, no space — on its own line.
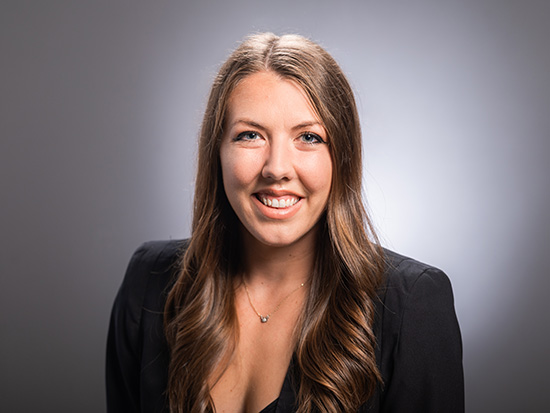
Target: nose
(278,163)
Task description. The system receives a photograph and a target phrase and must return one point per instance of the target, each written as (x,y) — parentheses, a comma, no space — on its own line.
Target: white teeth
(279,203)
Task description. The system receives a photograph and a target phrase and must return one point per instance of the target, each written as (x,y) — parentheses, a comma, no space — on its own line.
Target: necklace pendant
(264,319)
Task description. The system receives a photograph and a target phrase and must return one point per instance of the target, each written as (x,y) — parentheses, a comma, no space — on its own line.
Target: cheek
(317,174)
(238,169)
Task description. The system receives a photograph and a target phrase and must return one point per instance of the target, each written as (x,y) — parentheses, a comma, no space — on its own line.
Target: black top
(419,347)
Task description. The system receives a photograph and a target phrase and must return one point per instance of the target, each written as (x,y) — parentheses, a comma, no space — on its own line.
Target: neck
(278,265)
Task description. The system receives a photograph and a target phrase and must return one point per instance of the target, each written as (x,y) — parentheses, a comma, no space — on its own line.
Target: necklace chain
(265,318)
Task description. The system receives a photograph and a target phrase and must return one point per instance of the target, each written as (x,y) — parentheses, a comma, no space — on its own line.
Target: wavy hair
(335,367)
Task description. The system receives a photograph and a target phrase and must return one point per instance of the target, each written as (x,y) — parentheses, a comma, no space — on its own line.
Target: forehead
(266,94)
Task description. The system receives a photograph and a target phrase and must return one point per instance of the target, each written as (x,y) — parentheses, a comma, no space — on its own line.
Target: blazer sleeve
(123,362)
(427,368)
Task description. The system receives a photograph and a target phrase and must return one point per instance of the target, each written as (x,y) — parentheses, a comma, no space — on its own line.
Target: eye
(247,136)
(311,138)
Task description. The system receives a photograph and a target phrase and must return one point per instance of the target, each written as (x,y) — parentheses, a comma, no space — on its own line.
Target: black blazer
(419,347)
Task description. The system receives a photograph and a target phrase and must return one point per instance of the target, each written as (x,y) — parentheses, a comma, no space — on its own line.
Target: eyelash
(317,139)
(242,136)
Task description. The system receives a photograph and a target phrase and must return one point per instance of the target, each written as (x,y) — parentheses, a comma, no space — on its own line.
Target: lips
(279,202)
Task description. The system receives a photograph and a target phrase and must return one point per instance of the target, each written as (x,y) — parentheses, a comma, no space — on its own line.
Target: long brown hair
(335,367)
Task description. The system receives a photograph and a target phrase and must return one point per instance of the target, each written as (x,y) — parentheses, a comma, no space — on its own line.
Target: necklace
(265,318)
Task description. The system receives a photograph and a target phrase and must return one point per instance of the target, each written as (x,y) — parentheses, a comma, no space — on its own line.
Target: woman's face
(275,160)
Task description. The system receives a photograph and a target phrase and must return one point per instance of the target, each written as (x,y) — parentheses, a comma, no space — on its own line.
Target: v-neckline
(285,403)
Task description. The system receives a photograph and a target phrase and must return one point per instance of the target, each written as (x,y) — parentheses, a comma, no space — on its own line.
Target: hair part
(335,367)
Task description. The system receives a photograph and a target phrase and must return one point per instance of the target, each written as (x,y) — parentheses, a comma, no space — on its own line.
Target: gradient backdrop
(100,106)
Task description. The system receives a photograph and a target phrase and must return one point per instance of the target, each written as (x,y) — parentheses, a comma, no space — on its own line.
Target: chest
(257,368)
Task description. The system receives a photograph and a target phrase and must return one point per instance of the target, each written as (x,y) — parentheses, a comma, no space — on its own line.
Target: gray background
(100,107)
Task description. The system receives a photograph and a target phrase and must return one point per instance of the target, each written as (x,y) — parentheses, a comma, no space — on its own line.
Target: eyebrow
(308,124)
(247,122)
(257,125)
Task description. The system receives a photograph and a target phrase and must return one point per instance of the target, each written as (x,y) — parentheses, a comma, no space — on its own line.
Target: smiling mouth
(277,202)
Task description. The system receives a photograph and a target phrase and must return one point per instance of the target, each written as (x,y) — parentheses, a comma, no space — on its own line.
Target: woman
(282,300)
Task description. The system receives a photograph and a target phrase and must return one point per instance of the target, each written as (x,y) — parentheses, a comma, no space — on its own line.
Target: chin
(278,239)
(273,241)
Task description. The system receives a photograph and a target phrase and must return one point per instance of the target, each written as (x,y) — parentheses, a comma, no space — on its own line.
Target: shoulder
(407,280)
(156,255)
(153,258)
(412,289)
(404,272)
(419,341)
(151,270)
(137,357)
